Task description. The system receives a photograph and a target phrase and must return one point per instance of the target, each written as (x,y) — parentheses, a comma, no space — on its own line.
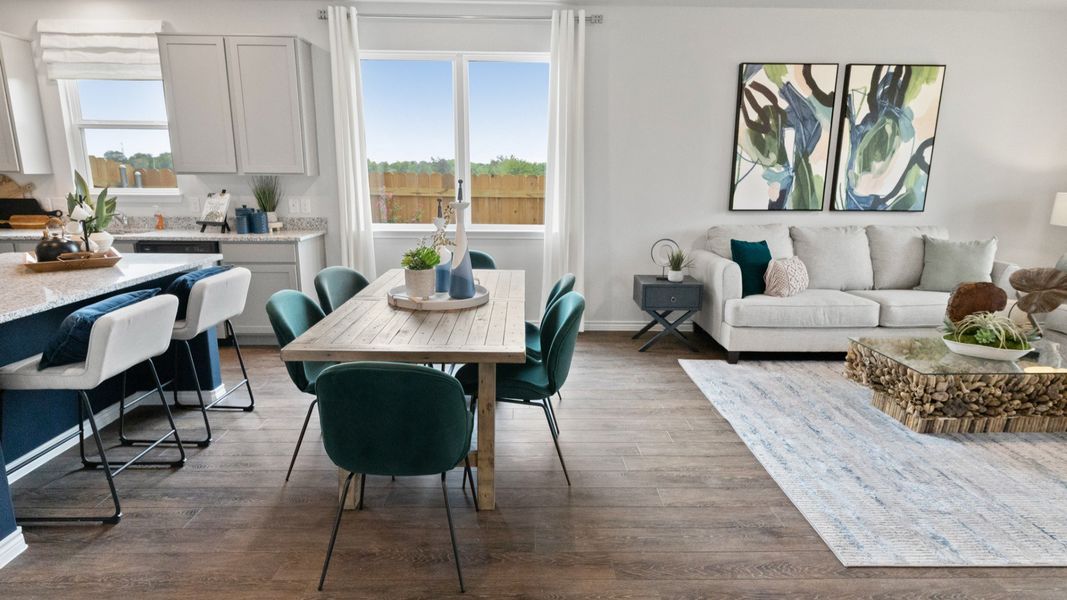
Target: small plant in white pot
(418,266)
(268,193)
(677,260)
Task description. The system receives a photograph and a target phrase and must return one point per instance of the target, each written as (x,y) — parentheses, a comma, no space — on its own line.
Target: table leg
(486,436)
(670,328)
(650,325)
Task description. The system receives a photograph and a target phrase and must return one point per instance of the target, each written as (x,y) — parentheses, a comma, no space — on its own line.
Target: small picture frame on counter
(214,214)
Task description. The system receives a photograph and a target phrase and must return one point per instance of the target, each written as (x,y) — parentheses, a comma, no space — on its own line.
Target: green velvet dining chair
(291,313)
(537,380)
(482,260)
(565,285)
(393,419)
(336,285)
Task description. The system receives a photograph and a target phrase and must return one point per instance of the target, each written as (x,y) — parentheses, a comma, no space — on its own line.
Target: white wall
(661,94)
(661,98)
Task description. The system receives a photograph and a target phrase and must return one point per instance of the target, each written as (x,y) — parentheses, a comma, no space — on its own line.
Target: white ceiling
(1014,5)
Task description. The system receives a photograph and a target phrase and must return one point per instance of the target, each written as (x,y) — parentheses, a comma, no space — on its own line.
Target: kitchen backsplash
(143,223)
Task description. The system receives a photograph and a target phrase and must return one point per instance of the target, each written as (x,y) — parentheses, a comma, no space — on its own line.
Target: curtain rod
(590,19)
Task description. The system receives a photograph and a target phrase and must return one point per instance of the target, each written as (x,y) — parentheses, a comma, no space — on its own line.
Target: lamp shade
(1059,210)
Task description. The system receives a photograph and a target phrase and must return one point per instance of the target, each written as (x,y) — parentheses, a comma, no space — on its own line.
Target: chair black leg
(468,475)
(336,526)
(452,532)
(362,488)
(552,413)
(204,443)
(560,396)
(300,440)
(166,410)
(244,373)
(555,440)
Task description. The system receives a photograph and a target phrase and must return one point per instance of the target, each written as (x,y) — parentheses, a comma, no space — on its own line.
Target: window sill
(478,232)
(142,195)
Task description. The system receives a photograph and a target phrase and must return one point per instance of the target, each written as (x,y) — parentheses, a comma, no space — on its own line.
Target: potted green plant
(268,193)
(988,335)
(677,260)
(92,215)
(418,264)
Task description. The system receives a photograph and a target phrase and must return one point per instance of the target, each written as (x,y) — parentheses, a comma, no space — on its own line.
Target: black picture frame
(843,129)
(737,132)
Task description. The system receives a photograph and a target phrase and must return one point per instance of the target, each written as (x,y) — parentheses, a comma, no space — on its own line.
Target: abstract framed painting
(886,137)
(782,135)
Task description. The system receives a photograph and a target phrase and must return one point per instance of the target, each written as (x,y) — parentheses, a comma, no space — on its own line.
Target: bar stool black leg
(85,407)
(199,395)
(244,372)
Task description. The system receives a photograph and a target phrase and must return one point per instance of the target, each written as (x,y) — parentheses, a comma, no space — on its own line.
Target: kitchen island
(36,425)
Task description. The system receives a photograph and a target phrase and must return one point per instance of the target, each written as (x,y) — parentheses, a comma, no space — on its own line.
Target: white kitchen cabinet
(7,247)
(254,111)
(274,267)
(273,108)
(197,94)
(23,141)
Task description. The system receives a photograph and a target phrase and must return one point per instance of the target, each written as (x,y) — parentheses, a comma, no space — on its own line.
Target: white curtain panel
(565,178)
(98,49)
(357,235)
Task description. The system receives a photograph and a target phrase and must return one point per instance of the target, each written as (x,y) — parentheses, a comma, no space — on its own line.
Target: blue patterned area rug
(881,495)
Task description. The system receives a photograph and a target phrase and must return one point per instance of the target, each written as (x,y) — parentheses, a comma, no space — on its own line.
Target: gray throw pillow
(897,254)
(837,258)
(947,264)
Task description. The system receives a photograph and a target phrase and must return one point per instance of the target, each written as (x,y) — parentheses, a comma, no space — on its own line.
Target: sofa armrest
(722,281)
(1001,273)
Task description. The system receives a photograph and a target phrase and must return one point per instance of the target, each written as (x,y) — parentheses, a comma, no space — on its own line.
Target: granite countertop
(284,236)
(25,292)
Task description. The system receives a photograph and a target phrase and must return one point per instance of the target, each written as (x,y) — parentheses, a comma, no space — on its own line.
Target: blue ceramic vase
(461,285)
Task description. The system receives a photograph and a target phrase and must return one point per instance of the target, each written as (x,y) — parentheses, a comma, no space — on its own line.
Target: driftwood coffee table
(929,389)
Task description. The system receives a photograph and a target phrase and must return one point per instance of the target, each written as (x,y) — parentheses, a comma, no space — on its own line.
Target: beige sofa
(862,281)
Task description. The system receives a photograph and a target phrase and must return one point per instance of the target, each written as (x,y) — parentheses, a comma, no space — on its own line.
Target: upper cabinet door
(9,155)
(268,116)
(198,103)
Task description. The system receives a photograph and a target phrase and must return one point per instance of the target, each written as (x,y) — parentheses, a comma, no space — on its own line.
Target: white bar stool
(118,341)
(213,301)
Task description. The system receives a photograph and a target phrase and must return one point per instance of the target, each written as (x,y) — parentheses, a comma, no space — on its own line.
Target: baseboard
(69,438)
(11,546)
(628,326)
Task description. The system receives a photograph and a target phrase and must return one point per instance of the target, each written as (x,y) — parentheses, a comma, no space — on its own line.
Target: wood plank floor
(667,502)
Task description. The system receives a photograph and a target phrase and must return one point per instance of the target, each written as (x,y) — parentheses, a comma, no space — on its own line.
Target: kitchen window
(118,135)
(433,118)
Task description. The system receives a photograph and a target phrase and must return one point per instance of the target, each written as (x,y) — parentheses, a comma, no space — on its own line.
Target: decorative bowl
(986,352)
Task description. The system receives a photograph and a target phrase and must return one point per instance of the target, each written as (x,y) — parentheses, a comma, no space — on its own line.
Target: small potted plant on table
(418,264)
(988,335)
(677,260)
(268,193)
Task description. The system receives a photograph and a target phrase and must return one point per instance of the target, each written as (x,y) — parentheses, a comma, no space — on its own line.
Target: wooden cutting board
(9,188)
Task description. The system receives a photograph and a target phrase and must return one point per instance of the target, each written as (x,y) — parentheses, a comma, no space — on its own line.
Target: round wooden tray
(399,298)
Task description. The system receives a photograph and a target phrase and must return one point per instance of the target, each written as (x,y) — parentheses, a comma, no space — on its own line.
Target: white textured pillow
(837,258)
(786,277)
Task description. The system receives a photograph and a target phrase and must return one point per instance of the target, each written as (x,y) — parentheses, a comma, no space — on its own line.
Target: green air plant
(420,258)
(94,215)
(267,191)
(678,259)
(989,329)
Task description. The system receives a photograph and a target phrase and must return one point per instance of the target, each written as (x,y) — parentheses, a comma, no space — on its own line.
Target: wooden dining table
(368,328)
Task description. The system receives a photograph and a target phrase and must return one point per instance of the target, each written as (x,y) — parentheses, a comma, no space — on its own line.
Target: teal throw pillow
(753,258)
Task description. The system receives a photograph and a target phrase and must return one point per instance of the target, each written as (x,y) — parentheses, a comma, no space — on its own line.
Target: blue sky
(407,107)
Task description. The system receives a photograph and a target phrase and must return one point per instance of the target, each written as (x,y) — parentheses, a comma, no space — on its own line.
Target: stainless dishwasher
(175,247)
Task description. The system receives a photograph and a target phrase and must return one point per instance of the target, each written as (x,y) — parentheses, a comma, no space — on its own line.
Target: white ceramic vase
(419,284)
(272,217)
(675,276)
(101,241)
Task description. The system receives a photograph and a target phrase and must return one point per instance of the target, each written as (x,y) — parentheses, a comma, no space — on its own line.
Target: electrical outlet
(194,204)
(305,206)
(294,206)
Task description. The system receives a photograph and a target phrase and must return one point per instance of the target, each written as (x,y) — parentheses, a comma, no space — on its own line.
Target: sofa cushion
(776,236)
(837,258)
(1056,320)
(947,264)
(897,254)
(752,257)
(810,308)
(907,308)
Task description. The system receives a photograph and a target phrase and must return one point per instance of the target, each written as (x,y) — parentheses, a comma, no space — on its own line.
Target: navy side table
(660,298)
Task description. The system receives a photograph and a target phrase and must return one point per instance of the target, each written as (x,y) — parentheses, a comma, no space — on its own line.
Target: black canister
(52,245)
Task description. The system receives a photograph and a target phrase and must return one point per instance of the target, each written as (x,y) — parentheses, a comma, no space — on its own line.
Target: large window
(120,139)
(431,119)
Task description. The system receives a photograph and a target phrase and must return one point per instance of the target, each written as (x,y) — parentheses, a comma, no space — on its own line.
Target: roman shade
(99,49)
